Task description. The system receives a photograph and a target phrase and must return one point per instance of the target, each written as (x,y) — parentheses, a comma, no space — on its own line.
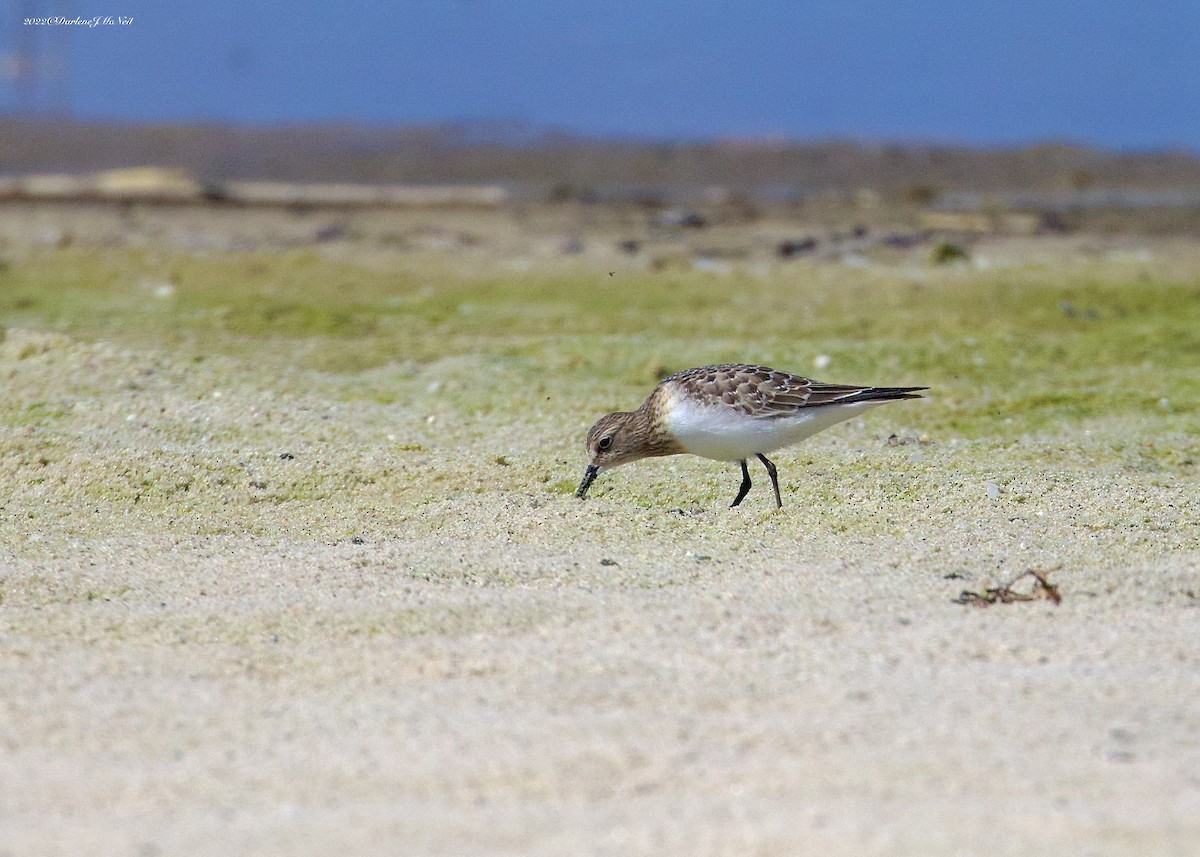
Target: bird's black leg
(745,486)
(774,476)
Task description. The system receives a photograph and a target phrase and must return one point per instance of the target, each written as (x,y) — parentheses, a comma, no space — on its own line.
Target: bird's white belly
(723,434)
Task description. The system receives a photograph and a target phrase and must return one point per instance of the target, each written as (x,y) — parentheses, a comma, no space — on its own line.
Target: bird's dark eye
(605,443)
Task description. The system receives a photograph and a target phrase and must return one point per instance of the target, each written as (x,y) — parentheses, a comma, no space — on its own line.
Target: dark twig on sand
(1004,594)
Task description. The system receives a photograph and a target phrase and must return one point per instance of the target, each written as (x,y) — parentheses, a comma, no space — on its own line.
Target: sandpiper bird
(728,413)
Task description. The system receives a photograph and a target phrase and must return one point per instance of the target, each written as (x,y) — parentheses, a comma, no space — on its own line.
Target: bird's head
(614,440)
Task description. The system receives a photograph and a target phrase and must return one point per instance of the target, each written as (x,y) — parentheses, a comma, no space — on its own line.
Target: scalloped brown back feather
(758,391)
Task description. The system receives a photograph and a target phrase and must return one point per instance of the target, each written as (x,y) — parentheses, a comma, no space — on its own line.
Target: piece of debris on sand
(1005,594)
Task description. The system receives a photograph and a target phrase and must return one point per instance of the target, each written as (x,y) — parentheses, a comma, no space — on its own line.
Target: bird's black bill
(588,478)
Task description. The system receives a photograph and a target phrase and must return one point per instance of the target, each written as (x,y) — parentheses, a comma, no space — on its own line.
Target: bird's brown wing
(759,391)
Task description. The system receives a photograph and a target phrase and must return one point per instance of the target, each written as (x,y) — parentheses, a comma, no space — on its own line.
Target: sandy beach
(291,561)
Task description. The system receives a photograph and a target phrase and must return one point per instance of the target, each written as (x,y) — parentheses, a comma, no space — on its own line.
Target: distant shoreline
(538,162)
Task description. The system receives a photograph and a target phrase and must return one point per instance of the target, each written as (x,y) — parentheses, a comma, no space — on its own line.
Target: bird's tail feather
(877,394)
